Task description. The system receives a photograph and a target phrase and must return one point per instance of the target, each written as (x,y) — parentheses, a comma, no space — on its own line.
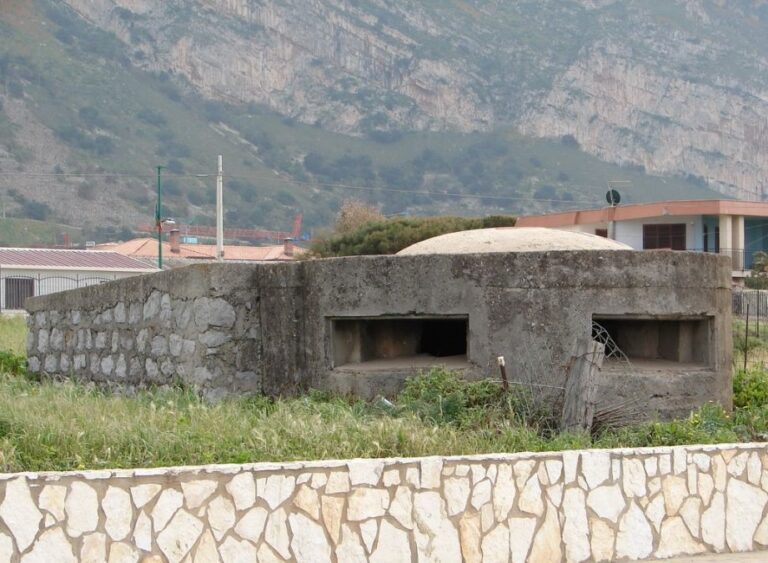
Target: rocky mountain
(675,86)
(305,88)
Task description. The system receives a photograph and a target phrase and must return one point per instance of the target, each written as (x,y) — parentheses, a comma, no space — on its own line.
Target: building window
(602,233)
(399,342)
(664,236)
(17,290)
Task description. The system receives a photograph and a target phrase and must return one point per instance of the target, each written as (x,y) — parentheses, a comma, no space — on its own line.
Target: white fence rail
(16,289)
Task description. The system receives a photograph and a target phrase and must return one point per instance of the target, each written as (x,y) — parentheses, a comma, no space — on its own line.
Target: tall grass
(60,426)
(13,334)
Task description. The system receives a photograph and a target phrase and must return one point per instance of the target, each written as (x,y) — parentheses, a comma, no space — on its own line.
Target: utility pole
(220,212)
(159,219)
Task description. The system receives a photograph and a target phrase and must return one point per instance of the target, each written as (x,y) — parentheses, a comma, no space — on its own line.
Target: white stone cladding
(594,505)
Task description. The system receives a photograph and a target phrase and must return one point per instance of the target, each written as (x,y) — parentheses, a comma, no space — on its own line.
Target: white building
(738,229)
(26,272)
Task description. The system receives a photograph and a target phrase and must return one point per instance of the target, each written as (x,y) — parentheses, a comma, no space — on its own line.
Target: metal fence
(755,299)
(15,289)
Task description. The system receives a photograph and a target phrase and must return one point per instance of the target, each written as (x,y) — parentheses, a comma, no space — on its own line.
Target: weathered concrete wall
(231,328)
(531,308)
(598,505)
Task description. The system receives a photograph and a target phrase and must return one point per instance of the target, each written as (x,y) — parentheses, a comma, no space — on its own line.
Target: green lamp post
(159,219)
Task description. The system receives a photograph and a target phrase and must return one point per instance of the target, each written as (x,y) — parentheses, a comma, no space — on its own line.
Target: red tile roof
(147,248)
(68,260)
(646,210)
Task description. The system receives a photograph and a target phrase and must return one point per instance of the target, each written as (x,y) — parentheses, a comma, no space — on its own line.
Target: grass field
(61,426)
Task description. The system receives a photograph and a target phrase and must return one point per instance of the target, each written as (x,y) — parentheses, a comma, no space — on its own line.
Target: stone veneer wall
(573,506)
(199,325)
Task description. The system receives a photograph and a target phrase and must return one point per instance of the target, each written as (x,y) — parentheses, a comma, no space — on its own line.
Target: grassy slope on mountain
(114,118)
(29,232)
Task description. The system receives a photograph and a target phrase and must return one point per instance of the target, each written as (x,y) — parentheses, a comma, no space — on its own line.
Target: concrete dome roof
(511,239)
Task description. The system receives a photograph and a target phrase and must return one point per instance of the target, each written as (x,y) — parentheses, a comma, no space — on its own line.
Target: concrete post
(726,235)
(738,242)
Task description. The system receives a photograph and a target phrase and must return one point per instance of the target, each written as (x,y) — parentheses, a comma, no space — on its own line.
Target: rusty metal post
(503,370)
(746,339)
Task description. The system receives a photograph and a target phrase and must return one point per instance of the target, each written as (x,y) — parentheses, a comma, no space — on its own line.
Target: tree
(759,277)
(355,214)
(392,235)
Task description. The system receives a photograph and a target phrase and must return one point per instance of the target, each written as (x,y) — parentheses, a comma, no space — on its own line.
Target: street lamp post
(159,219)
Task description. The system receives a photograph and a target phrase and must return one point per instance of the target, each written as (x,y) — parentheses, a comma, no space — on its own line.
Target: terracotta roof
(68,260)
(147,248)
(646,210)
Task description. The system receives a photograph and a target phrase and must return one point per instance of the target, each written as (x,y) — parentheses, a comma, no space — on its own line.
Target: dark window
(666,235)
(706,238)
(602,233)
(671,340)
(17,290)
(398,339)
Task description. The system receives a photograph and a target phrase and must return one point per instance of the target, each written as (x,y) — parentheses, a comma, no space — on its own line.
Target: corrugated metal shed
(40,258)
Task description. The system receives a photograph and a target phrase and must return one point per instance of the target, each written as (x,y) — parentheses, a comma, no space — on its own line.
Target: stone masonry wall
(193,326)
(597,505)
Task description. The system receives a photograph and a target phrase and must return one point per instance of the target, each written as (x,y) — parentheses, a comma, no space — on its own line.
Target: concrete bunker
(362,325)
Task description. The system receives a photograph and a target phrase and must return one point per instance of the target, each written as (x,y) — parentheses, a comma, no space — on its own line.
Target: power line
(279,178)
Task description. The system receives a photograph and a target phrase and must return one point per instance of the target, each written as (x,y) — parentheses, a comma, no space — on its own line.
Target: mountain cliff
(677,87)
(674,88)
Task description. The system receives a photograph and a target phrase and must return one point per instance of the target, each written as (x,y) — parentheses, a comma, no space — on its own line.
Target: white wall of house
(45,281)
(631,232)
(587,228)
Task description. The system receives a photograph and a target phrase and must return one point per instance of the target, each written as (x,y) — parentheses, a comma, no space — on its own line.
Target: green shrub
(750,388)
(444,397)
(740,344)
(393,235)
(12,363)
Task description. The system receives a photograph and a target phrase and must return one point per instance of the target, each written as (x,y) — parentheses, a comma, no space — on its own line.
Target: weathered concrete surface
(573,506)
(269,327)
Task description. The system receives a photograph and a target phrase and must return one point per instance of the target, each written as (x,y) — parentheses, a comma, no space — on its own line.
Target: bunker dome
(511,239)
(363,324)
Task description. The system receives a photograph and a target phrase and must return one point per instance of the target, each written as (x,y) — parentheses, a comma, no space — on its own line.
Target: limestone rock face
(635,537)
(679,95)
(118,509)
(179,536)
(308,543)
(19,512)
(744,510)
(82,509)
(52,546)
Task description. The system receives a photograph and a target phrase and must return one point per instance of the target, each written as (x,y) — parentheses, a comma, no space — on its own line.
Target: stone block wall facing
(191,326)
(598,505)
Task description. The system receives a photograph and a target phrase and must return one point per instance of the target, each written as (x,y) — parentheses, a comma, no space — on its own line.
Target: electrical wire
(279,178)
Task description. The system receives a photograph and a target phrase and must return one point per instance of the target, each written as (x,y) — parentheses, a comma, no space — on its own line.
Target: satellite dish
(613,198)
